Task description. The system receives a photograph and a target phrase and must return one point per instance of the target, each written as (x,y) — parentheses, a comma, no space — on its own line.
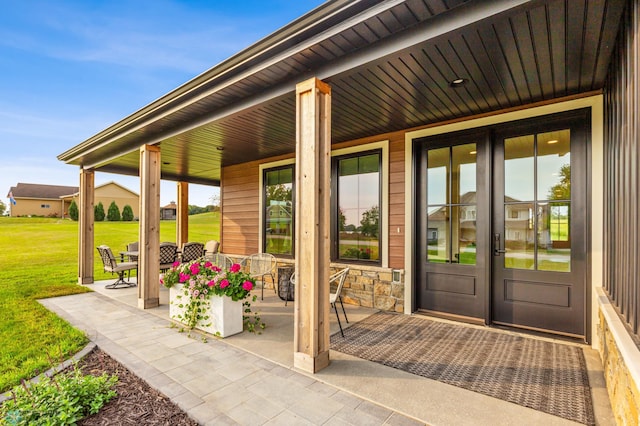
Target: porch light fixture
(473,152)
(220,148)
(166,163)
(458,82)
(551,142)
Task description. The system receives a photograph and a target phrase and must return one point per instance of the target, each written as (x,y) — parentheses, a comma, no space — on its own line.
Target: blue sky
(69,69)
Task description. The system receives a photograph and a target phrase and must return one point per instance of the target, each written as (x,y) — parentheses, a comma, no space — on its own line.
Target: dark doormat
(545,376)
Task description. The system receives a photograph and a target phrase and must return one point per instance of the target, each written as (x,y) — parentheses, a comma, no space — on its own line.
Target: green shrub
(127,213)
(113,215)
(61,400)
(98,212)
(73,210)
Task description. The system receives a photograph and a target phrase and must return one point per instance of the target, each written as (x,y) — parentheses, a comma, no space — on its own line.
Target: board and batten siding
(240,195)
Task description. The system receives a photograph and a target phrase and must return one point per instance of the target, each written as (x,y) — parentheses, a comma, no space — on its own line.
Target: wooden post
(149,258)
(313,166)
(182,214)
(85,227)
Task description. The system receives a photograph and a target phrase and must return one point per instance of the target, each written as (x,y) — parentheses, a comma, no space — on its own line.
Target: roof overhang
(390,65)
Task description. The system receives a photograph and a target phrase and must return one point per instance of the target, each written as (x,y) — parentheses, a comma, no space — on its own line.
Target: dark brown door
(539,232)
(452,249)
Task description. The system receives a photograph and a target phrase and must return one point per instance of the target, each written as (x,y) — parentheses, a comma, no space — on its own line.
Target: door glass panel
(554,244)
(554,166)
(451,197)
(438,231)
(463,173)
(519,239)
(437,182)
(465,252)
(519,168)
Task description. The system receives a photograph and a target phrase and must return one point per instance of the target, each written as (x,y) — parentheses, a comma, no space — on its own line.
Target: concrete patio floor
(250,379)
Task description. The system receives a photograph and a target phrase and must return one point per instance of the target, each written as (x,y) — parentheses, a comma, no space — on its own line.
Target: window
(278,211)
(45,206)
(356,179)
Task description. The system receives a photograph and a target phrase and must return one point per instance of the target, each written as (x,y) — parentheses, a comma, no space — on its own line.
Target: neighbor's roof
(77,192)
(35,190)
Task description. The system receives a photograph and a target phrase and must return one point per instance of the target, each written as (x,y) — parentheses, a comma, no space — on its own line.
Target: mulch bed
(136,403)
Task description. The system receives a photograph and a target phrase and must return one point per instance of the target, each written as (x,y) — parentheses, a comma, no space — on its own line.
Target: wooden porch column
(313,166)
(85,227)
(182,214)
(149,259)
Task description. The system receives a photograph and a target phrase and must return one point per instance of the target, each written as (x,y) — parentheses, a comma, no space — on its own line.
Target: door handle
(497,251)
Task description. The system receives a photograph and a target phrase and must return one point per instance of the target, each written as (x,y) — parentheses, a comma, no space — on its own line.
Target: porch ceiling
(390,65)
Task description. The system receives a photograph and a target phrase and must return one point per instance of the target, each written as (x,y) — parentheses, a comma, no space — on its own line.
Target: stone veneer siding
(368,286)
(623,390)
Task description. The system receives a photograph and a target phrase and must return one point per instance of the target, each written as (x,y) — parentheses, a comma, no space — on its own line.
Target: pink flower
(195,269)
(235,268)
(247,285)
(208,265)
(162,281)
(183,277)
(224,283)
(176,264)
(211,283)
(215,268)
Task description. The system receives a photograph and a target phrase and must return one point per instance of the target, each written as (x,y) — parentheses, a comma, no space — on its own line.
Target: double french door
(501,219)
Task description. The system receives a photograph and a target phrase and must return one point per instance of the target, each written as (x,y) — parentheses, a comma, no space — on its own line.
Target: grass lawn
(38,259)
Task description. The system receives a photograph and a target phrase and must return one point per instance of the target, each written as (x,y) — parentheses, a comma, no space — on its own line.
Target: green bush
(113,215)
(61,400)
(127,213)
(73,210)
(98,212)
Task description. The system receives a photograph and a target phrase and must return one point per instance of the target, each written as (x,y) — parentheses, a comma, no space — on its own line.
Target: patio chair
(260,265)
(220,260)
(339,277)
(110,265)
(192,251)
(135,246)
(168,255)
(211,248)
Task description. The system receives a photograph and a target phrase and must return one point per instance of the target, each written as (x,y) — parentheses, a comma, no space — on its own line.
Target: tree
(113,214)
(562,190)
(3,208)
(127,213)
(371,222)
(98,212)
(73,210)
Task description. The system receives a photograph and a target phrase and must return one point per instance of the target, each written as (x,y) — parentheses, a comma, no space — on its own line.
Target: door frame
(595,190)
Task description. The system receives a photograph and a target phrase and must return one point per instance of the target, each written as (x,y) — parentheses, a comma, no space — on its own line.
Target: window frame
(264,169)
(334,250)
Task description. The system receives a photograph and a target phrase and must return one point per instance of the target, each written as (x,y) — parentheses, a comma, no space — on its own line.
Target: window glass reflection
(554,165)
(519,168)
(554,243)
(437,176)
(519,240)
(358,208)
(278,211)
(438,235)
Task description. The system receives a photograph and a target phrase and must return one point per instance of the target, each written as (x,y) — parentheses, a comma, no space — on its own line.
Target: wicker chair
(110,265)
(168,255)
(260,265)
(192,251)
(220,260)
(135,246)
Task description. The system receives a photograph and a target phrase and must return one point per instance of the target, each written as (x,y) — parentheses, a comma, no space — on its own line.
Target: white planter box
(225,314)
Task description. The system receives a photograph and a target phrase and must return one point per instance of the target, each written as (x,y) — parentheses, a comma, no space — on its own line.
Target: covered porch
(219,378)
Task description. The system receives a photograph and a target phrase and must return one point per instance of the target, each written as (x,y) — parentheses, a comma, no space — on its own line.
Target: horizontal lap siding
(396,200)
(240,194)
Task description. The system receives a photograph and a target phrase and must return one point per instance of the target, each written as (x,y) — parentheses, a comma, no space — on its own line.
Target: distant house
(169,211)
(38,200)
(54,200)
(105,194)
